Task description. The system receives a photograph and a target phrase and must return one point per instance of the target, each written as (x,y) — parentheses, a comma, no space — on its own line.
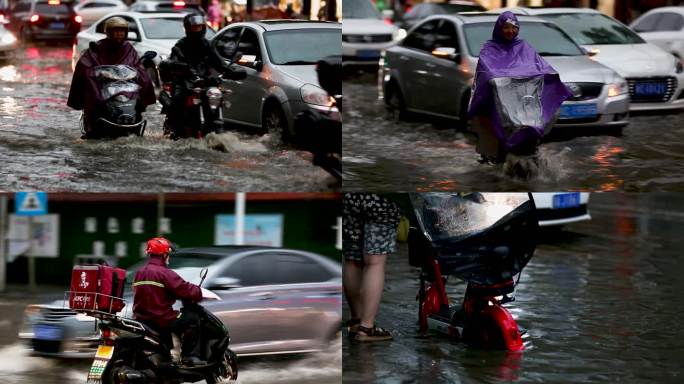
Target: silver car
(280,59)
(432,70)
(273,301)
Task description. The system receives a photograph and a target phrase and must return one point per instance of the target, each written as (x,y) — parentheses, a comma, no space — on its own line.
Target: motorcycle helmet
(195,26)
(115,23)
(158,246)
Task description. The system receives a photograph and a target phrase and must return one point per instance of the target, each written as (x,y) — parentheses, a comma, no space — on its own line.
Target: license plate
(650,89)
(566,200)
(366,54)
(102,356)
(56,25)
(574,111)
(47,332)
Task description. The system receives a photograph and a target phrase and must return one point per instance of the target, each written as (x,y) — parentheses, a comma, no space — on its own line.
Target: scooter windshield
(518,101)
(449,217)
(117,79)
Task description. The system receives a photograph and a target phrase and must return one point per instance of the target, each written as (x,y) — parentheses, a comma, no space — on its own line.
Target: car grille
(55,315)
(366,38)
(671,87)
(545,214)
(588,91)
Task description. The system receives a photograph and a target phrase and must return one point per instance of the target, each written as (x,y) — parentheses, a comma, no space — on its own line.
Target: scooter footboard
(505,324)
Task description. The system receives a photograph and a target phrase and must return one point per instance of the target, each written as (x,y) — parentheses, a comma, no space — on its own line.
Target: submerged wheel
(228,371)
(394,101)
(275,123)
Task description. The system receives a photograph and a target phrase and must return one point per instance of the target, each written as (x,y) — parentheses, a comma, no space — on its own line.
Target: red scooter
(484,239)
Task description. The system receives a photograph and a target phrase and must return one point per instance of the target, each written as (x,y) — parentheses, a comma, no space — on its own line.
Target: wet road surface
(601,302)
(422,154)
(41,149)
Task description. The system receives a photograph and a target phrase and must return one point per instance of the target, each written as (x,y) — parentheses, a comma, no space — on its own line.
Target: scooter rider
(196,51)
(112,50)
(156,288)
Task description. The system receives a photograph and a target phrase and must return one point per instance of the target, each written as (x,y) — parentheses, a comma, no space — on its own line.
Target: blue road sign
(30,203)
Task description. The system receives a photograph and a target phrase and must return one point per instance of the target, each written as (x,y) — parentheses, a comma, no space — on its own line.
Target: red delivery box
(97,288)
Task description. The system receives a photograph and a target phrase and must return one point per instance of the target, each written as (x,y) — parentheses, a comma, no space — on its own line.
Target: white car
(365,34)
(8,44)
(559,208)
(156,32)
(655,77)
(663,27)
(92,10)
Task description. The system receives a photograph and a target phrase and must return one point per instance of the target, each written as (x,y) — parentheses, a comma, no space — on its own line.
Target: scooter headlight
(214,97)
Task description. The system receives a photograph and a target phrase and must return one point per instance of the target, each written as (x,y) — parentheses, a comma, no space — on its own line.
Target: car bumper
(363,54)
(70,348)
(612,112)
(52,34)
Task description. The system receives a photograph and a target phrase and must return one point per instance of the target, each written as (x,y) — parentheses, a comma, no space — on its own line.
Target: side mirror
(133,36)
(591,53)
(250,61)
(225,283)
(448,53)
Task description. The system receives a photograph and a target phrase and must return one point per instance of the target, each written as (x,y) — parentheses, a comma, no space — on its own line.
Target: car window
(648,23)
(545,38)
(446,35)
(670,22)
(226,43)
(163,27)
(21,7)
(359,9)
(249,44)
(423,37)
(45,8)
(276,268)
(302,46)
(589,28)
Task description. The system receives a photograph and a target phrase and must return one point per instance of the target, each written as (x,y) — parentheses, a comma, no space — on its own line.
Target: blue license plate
(650,89)
(56,25)
(47,332)
(366,54)
(577,111)
(566,200)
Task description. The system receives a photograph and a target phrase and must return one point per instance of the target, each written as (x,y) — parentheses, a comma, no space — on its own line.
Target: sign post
(30,204)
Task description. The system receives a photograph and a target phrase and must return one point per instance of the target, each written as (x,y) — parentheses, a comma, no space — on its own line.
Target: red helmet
(158,246)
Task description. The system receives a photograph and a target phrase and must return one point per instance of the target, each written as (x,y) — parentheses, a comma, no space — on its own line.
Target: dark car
(44,20)
(423,10)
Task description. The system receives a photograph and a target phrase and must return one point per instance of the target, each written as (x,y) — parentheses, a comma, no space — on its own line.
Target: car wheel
(394,101)
(275,123)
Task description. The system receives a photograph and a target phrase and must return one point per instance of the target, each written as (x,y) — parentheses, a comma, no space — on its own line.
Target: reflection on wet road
(423,154)
(40,145)
(600,301)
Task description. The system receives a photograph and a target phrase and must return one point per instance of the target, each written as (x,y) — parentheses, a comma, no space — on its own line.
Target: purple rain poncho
(500,58)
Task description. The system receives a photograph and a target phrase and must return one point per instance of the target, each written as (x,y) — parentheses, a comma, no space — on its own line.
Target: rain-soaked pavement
(420,154)
(601,302)
(18,366)
(41,149)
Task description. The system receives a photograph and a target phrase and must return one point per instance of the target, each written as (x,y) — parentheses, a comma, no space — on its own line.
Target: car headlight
(617,89)
(399,34)
(8,39)
(312,94)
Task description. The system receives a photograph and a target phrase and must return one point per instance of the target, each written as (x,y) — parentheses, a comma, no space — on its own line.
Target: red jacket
(156,288)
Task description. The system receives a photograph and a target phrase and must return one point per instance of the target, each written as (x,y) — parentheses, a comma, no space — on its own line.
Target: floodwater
(601,302)
(41,148)
(422,154)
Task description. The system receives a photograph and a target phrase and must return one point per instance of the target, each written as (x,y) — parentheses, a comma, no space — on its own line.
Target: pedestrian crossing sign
(30,203)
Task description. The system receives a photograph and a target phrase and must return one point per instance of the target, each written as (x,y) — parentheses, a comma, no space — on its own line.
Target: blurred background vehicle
(663,27)
(422,10)
(655,78)
(365,34)
(8,43)
(280,58)
(273,300)
(560,208)
(4,11)
(44,20)
(92,10)
(441,53)
(181,6)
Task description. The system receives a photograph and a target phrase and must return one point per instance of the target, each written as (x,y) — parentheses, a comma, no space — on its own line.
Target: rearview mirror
(225,283)
(250,61)
(448,53)
(590,52)
(133,36)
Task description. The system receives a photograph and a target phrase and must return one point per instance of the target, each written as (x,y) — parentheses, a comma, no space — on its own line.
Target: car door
(243,98)
(413,63)
(444,75)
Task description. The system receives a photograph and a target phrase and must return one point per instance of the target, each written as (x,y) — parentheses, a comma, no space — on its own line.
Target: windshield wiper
(298,62)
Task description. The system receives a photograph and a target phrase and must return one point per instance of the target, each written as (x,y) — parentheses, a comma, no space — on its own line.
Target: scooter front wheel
(228,371)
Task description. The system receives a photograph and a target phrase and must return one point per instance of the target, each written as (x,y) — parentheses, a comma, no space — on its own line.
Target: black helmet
(190,21)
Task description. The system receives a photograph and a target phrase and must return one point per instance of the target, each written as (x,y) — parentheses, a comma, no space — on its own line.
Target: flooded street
(41,148)
(600,300)
(421,154)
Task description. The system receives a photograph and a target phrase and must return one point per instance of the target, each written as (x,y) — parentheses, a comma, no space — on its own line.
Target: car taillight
(78,19)
(34,18)
(179,4)
(53,2)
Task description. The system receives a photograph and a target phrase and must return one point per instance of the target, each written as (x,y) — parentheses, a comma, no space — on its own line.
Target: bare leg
(352,278)
(371,288)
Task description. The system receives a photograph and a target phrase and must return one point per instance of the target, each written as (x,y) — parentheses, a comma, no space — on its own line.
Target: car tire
(394,101)
(274,122)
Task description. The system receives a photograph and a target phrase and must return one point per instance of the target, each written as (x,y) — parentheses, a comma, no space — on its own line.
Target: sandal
(365,334)
(352,326)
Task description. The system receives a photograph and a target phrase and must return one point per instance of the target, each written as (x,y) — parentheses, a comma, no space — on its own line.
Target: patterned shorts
(369,226)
